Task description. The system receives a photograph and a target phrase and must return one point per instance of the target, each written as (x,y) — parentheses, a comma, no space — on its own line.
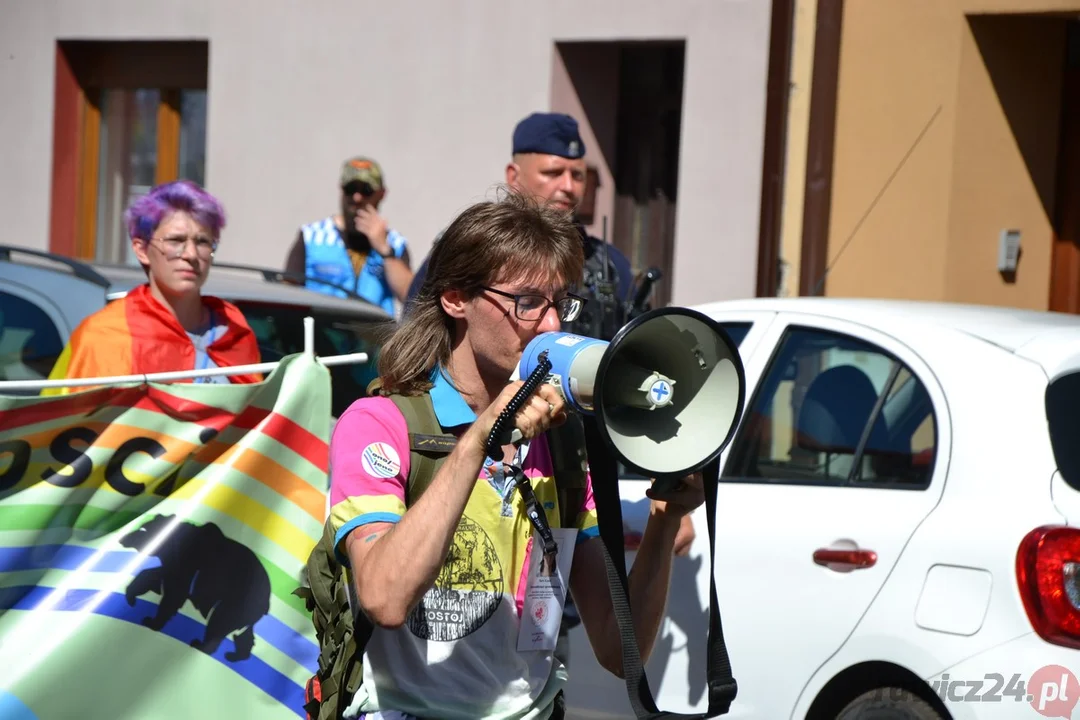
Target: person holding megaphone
(453,514)
(548,162)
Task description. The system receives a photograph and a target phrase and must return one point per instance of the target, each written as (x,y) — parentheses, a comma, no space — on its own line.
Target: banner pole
(333,360)
(309,336)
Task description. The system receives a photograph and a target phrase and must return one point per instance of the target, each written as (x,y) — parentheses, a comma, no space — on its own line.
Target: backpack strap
(429,445)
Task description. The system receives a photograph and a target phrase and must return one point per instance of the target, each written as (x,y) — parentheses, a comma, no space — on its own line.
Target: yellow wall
(984,96)
(1004,162)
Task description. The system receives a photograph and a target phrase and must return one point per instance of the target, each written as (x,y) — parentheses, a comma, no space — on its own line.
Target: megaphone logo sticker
(660,392)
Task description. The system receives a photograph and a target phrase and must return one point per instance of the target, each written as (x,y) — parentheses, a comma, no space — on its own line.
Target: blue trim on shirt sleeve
(359,521)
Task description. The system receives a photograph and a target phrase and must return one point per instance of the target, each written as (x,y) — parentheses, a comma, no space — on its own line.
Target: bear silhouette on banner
(222,578)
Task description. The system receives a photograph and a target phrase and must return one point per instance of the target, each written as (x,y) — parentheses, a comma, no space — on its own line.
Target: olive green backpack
(342,632)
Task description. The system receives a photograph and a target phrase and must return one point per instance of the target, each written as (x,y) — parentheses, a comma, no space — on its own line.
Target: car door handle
(848,559)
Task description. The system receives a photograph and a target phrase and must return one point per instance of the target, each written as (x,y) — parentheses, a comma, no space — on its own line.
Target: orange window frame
(83,70)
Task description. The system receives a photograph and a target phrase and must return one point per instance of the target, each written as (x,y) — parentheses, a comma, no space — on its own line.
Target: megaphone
(667,392)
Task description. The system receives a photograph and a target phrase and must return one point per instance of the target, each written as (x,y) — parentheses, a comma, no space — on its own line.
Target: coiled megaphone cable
(533,510)
(535,379)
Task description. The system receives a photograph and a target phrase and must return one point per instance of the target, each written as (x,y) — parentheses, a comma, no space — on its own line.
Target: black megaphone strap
(722,687)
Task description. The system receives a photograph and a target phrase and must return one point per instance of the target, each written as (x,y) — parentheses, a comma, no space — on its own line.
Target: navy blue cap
(549,134)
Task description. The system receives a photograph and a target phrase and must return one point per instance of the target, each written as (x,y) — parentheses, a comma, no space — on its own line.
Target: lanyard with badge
(547,578)
(514,474)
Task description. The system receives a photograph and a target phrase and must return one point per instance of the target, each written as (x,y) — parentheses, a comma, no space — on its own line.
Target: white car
(896,523)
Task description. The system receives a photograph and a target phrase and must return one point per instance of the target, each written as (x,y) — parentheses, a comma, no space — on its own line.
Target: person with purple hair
(166,324)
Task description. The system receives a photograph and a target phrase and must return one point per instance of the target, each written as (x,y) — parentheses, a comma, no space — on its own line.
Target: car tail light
(1048,572)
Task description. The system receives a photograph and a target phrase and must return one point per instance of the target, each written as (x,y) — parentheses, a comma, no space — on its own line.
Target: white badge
(380,460)
(545,593)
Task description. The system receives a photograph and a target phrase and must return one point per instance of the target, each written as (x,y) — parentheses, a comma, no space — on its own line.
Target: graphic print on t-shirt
(458,653)
(467,592)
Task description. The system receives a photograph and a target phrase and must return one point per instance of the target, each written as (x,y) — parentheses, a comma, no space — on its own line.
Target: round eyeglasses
(173,245)
(532,307)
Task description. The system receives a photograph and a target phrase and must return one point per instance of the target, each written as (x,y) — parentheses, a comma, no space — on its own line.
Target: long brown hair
(511,238)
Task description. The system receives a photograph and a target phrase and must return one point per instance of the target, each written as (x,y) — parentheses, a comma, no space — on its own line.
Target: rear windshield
(1063,417)
(280,332)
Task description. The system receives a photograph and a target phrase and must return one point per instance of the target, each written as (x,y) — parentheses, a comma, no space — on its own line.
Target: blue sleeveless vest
(329,269)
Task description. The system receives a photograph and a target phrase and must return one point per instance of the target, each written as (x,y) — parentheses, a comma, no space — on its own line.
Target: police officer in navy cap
(548,162)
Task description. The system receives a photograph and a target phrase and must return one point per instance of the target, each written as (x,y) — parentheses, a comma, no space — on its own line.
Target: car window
(1063,421)
(279,330)
(833,409)
(29,341)
(737,331)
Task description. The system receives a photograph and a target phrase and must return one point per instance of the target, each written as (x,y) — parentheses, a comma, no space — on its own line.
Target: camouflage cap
(362,169)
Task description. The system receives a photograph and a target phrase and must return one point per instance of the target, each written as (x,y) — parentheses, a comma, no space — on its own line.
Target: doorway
(627,98)
(1065,265)
(649,121)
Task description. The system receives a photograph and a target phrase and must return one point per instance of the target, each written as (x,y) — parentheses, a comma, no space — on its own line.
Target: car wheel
(888,704)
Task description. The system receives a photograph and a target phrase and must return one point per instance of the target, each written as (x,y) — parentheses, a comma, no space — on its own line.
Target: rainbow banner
(151,538)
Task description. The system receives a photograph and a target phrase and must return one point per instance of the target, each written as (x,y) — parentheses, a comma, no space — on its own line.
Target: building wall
(946,134)
(430,88)
(798,125)
(1004,170)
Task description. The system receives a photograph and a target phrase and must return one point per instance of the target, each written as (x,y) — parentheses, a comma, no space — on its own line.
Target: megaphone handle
(498,429)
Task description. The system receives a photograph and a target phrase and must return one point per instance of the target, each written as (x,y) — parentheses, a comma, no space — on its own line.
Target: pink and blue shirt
(456,656)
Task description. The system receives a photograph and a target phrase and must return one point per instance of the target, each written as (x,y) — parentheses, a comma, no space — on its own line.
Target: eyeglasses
(533,307)
(173,246)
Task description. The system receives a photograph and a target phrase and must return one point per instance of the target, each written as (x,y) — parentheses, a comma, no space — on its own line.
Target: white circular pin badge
(381,460)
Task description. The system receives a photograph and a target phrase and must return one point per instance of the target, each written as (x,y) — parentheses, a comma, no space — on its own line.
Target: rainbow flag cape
(151,538)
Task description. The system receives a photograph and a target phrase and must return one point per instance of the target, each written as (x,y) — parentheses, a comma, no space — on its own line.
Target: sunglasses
(358,187)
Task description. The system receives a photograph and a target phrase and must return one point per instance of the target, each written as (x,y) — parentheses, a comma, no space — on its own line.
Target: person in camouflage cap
(355,251)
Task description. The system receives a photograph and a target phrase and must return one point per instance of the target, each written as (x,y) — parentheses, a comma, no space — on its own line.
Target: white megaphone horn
(667,391)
